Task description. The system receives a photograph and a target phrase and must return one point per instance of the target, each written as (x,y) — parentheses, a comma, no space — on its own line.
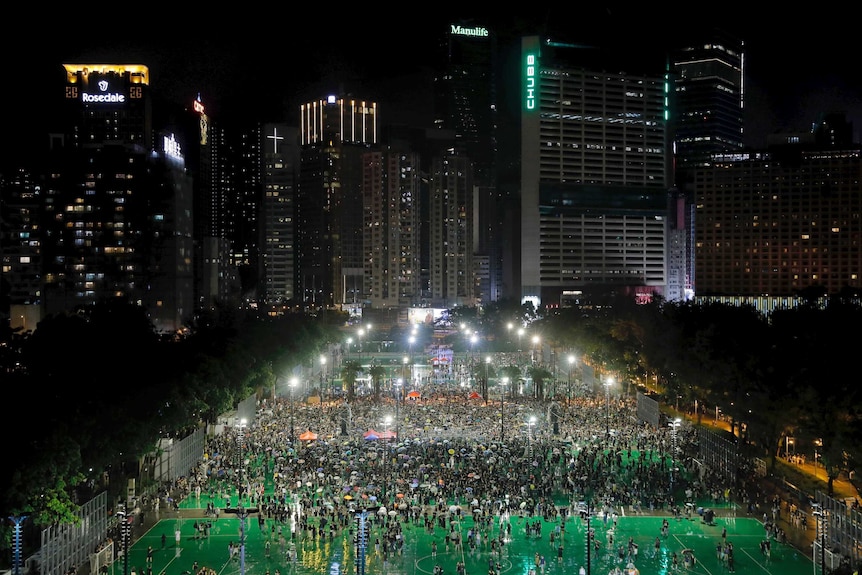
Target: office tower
(280,172)
(390,195)
(451,232)
(708,96)
(777,223)
(335,133)
(20,250)
(228,169)
(708,100)
(593,176)
(216,281)
(465,103)
(117,206)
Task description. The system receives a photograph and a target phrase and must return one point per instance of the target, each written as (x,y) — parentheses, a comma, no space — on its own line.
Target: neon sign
(530,82)
(104,97)
(478,31)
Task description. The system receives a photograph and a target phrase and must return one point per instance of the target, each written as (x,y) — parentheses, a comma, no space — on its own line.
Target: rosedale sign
(478,31)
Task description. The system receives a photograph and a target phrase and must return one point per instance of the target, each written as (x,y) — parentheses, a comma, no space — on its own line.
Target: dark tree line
(93,392)
(792,373)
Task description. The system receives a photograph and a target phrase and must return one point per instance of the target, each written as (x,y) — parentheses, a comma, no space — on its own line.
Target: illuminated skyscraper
(465,103)
(118,204)
(594,176)
(335,133)
(280,171)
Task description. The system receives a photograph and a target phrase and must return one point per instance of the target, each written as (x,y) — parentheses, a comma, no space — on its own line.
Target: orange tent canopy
(308,436)
(475,395)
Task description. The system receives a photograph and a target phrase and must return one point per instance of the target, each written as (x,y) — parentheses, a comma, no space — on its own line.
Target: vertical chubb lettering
(531,82)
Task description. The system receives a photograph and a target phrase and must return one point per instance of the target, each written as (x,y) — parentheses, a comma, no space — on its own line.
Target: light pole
(503,383)
(386,424)
(293,382)
(571,360)
(817,443)
(359,335)
(530,423)
(241,511)
(520,333)
(535,354)
(608,383)
(349,343)
(398,385)
(322,377)
(674,425)
(411,340)
(485,384)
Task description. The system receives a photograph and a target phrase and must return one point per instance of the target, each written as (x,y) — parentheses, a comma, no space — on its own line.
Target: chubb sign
(104,96)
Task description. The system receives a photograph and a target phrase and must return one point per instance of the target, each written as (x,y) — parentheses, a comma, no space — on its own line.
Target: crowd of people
(508,465)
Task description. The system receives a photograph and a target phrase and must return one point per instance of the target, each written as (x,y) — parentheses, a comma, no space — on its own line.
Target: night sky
(798,66)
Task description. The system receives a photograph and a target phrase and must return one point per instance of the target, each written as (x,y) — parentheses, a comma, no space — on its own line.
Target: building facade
(594,176)
(773,224)
(334,135)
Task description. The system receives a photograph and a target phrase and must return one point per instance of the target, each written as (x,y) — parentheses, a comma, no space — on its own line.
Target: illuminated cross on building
(275,138)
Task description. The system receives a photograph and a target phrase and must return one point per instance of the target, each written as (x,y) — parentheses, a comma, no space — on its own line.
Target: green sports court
(268,552)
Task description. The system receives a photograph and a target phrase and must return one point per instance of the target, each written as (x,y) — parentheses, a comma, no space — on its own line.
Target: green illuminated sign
(530,82)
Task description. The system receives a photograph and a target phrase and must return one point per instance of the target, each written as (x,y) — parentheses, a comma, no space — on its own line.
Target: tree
(350,369)
(539,374)
(377,372)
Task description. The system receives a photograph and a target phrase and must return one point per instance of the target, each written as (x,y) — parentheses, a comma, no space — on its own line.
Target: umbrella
(474,395)
(371,432)
(399,495)
(393,513)
(414,393)
(348,497)
(370,436)
(308,436)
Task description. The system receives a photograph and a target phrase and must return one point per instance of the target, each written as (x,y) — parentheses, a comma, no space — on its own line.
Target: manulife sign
(531,86)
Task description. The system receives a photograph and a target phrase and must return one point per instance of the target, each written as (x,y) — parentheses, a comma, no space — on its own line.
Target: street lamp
(520,333)
(387,423)
(535,354)
(674,425)
(293,383)
(241,511)
(571,360)
(359,335)
(398,385)
(817,443)
(530,423)
(485,384)
(322,377)
(503,383)
(411,340)
(608,383)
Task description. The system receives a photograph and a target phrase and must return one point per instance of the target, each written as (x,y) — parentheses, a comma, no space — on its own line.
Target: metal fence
(839,531)
(719,452)
(71,545)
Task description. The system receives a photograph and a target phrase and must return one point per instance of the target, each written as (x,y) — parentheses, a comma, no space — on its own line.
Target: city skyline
(795,73)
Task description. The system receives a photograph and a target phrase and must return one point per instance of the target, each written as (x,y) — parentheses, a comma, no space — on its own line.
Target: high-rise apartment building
(594,182)
(390,193)
(21,249)
(118,204)
(280,173)
(335,133)
(451,232)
